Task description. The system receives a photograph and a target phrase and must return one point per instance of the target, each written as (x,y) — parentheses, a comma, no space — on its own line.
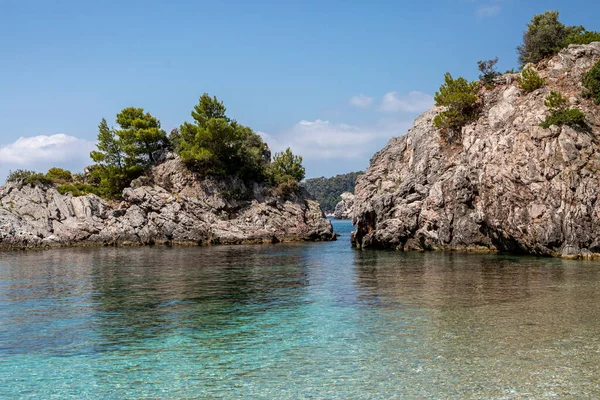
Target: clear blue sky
(288,69)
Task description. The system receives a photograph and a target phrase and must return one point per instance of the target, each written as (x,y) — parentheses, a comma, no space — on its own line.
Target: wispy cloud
(487,8)
(320,139)
(45,151)
(413,102)
(361,101)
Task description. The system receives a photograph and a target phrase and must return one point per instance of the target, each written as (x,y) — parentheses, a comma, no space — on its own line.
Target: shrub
(286,187)
(543,38)
(488,71)
(59,175)
(561,113)
(27,177)
(546,36)
(19,175)
(578,35)
(37,179)
(124,154)
(591,82)
(555,101)
(529,80)
(79,177)
(214,144)
(286,166)
(461,101)
(77,189)
(572,117)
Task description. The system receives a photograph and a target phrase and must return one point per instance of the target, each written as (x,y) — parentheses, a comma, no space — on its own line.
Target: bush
(578,35)
(59,175)
(561,113)
(124,154)
(27,177)
(216,145)
(461,101)
(572,117)
(529,80)
(286,187)
(286,167)
(488,71)
(546,35)
(19,175)
(591,82)
(77,189)
(543,38)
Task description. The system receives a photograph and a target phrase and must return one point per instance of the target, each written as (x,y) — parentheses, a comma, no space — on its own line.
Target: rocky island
(211,182)
(522,176)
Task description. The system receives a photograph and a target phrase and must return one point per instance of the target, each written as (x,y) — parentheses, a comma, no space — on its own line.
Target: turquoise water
(289,321)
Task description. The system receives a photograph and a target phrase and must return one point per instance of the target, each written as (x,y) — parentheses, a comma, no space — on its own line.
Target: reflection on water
(317,320)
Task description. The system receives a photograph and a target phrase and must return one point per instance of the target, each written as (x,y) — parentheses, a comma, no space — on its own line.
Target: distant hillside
(327,191)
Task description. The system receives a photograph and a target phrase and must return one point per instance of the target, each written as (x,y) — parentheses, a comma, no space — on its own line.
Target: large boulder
(172,206)
(345,208)
(507,185)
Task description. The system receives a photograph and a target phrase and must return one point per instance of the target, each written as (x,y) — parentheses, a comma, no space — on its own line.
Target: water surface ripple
(289,321)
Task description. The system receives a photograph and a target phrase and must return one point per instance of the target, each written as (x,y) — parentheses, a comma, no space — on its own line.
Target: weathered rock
(179,208)
(508,185)
(344,209)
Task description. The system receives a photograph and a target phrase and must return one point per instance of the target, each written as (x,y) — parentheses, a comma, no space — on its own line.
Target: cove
(296,320)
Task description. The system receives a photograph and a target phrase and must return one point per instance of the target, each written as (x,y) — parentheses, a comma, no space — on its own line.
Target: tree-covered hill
(327,191)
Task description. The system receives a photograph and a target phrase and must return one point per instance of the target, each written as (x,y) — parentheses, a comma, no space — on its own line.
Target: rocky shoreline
(508,185)
(171,206)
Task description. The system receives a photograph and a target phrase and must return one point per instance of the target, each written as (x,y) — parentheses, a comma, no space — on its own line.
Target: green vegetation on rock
(460,98)
(59,175)
(28,177)
(591,82)
(213,144)
(579,35)
(216,145)
(530,80)
(546,35)
(488,71)
(78,189)
(327,191)
(124,154)
(561,113)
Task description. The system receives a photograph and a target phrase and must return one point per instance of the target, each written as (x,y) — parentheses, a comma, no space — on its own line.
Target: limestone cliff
(508,185)
(172,206)
(344,208)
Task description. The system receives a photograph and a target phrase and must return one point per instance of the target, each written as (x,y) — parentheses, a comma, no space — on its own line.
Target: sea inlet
(299,320)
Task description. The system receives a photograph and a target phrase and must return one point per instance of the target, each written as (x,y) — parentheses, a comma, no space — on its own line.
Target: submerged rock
(173,207)
(508,185)
(344,209)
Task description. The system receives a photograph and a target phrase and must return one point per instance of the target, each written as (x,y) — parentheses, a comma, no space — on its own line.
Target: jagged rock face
(178,208)
(509,185)
(344,209)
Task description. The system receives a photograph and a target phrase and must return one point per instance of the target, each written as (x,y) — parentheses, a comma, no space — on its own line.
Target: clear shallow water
(310,320)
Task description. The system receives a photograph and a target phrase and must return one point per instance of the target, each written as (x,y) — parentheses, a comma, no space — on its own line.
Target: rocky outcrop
(507,185)
(344,209)
(172,206)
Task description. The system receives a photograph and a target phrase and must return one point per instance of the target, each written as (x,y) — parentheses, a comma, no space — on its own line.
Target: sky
(333,80)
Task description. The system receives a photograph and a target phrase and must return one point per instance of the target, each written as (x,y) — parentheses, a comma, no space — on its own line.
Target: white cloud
(488,10)
(413,102)
(328,140)
(361,101)
(45,151)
